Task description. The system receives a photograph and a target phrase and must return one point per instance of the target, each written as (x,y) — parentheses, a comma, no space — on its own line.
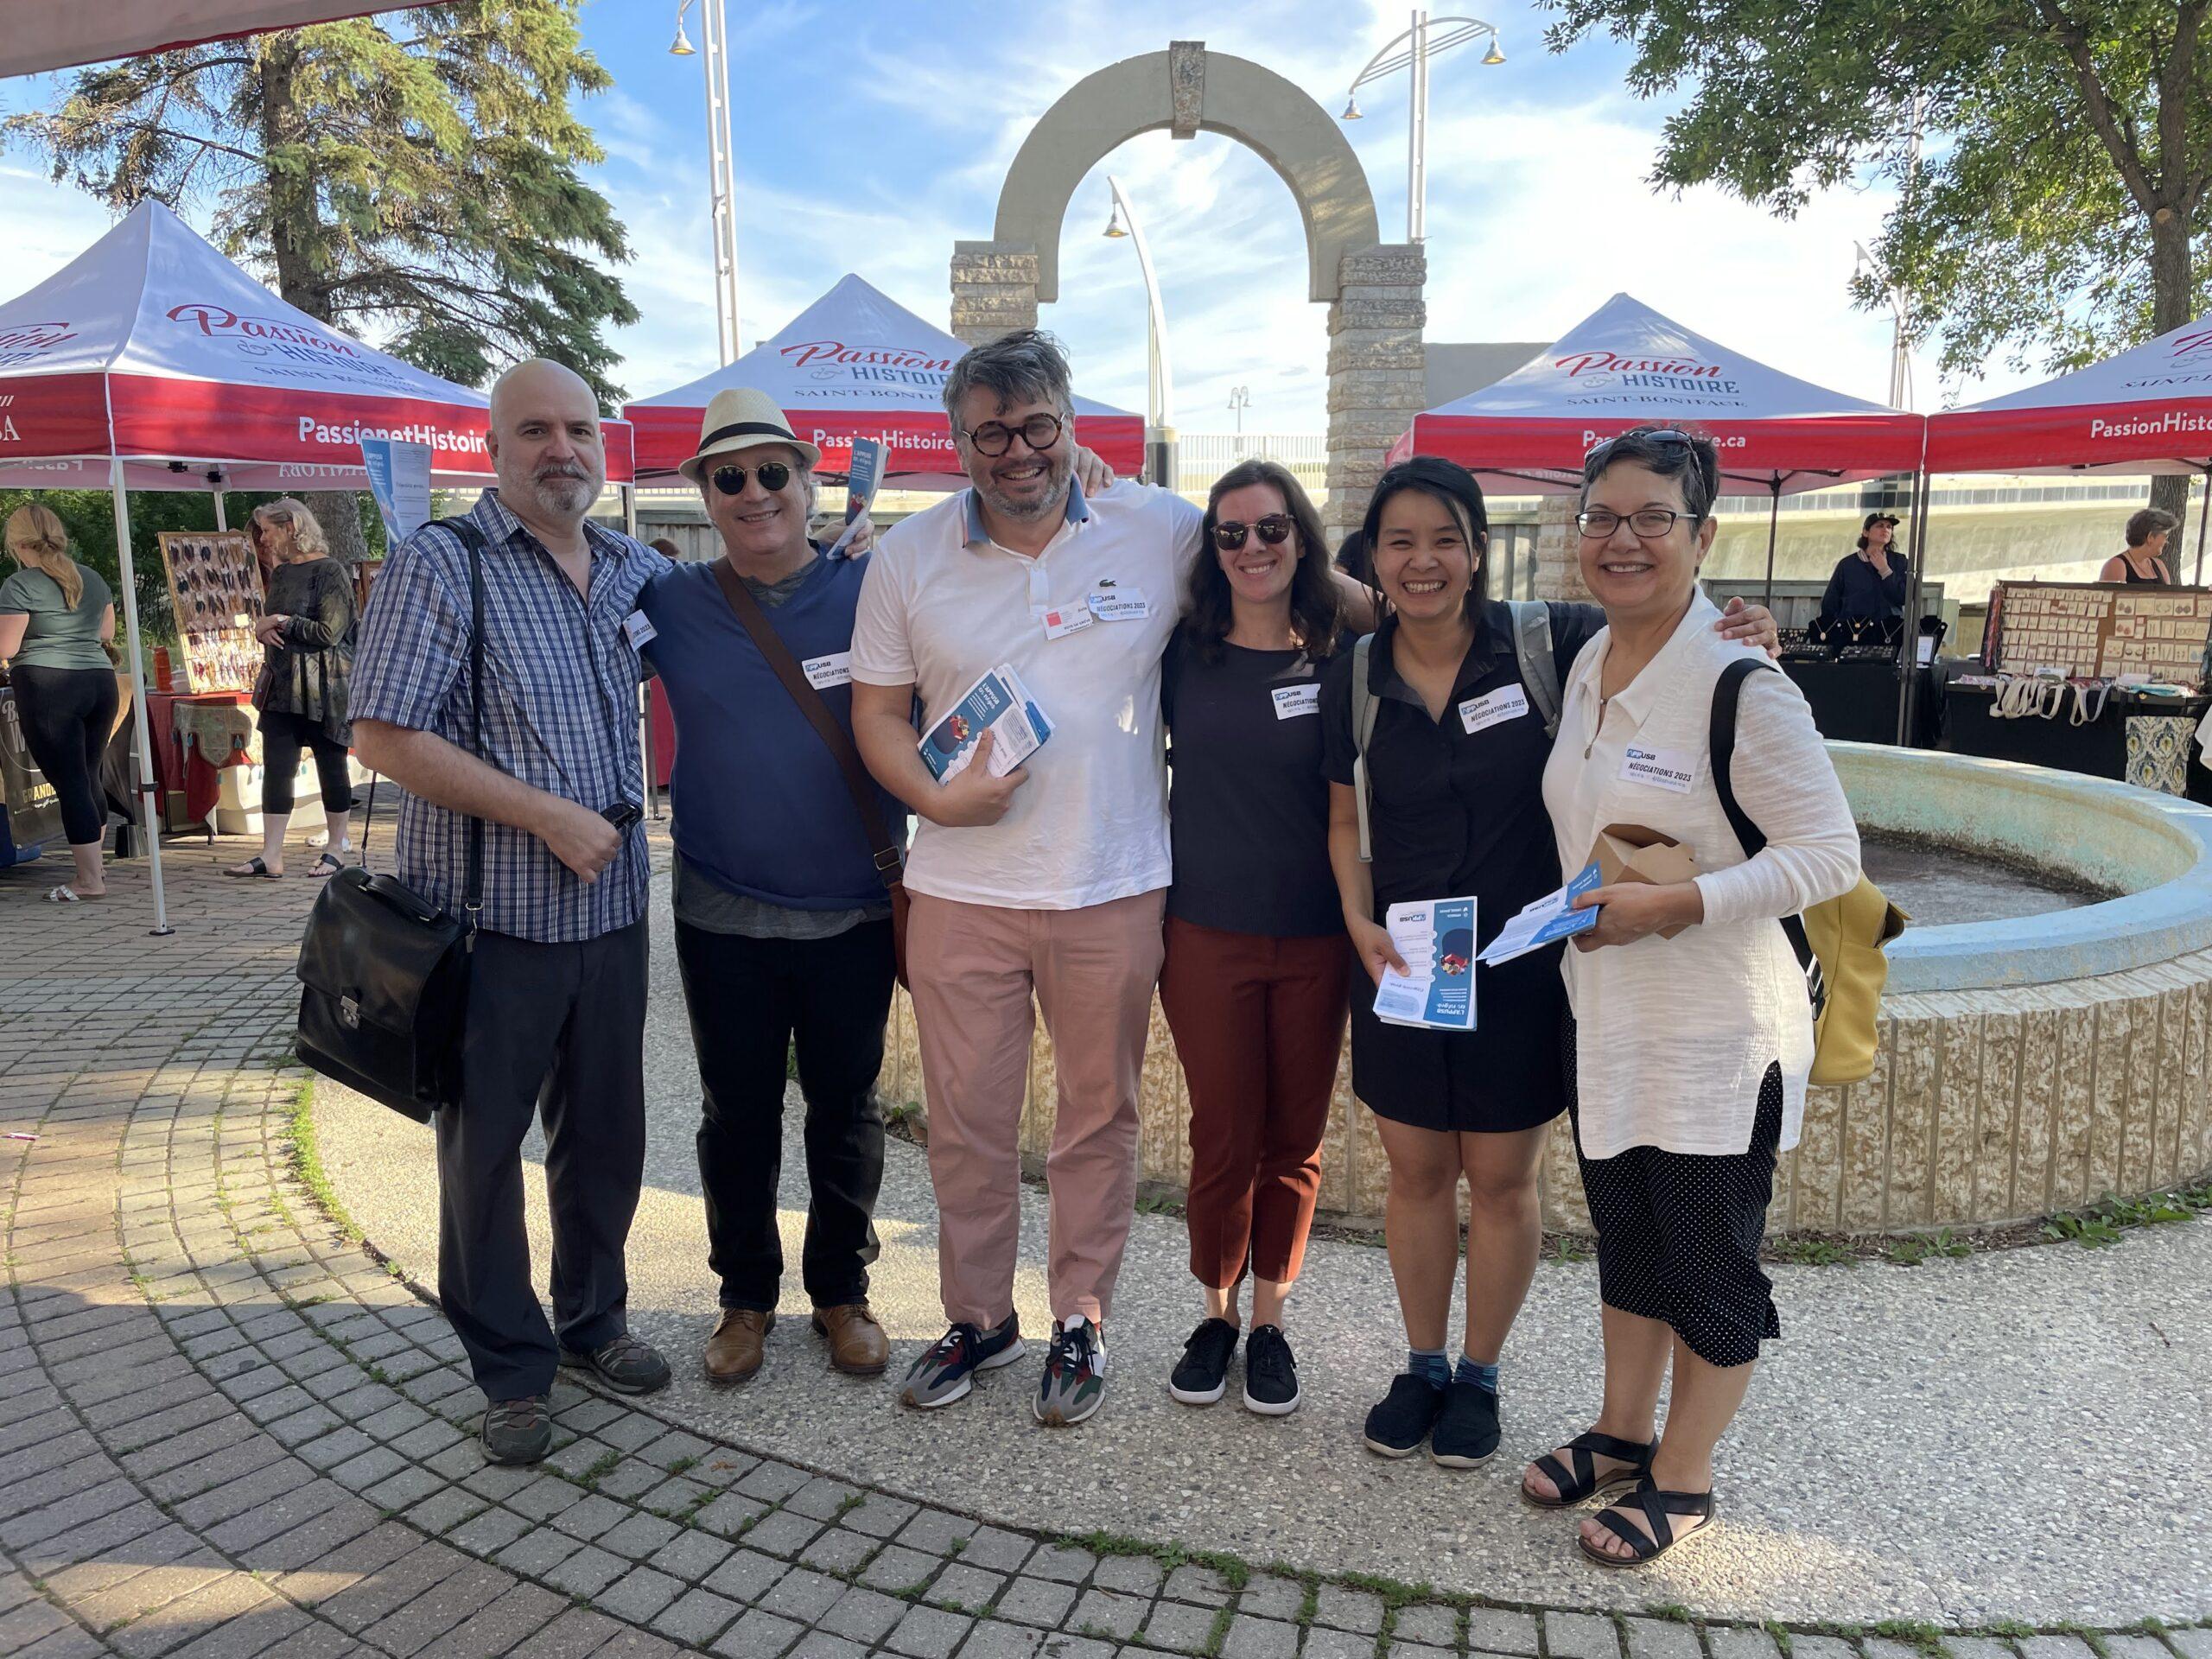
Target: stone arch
(1376,374)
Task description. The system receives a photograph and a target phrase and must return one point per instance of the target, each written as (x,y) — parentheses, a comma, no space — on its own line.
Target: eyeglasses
(1040,432)
(773,474)
(1649,523)
(1274,530)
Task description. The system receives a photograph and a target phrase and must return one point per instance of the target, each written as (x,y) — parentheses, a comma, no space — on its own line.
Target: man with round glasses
(783,922)
(1048,879)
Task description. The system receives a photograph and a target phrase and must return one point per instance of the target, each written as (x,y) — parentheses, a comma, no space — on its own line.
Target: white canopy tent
(44,34)
(150,362)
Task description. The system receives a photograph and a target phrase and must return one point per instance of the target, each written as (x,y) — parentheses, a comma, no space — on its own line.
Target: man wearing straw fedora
(783,919)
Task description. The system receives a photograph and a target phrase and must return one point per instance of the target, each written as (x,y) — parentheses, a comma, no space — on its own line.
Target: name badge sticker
(823,672)
(1292,701)
(1674,770)
(1118,604)
(1060,623)
(1479,714)
(640,629)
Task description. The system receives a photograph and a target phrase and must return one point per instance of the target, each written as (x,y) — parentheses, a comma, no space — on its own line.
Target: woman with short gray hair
(2142,563)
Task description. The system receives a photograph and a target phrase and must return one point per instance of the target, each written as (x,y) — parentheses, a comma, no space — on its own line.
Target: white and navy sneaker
(1074,1384)
(946,1372)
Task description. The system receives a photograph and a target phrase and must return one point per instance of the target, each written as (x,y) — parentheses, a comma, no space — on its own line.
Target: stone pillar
(1558,570)
(993,289)
(1377,373)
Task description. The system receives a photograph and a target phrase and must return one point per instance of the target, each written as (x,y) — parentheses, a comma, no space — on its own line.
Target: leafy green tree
(2051,156)
(410,178)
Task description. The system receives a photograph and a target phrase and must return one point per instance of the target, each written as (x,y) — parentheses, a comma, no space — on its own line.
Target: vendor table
(2137,742)
(1857,702)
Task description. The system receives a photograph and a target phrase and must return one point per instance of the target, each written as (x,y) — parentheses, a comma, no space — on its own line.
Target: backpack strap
(1532,649)
(1720,743)
(1362,729)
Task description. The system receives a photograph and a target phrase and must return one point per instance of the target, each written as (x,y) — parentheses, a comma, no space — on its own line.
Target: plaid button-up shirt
(560,711)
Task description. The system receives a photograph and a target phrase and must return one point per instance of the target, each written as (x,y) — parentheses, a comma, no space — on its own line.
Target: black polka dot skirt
(1678,1233)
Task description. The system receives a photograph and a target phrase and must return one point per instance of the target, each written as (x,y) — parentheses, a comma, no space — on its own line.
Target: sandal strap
(1584,1450)
(1568,1486)
(1612,1446)
(1655,1507)
(1640,1545)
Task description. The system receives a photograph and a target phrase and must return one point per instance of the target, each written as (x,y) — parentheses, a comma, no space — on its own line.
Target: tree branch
(2124,153)
(2176,73)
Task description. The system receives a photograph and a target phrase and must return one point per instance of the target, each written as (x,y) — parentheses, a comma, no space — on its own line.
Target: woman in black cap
(1869,583)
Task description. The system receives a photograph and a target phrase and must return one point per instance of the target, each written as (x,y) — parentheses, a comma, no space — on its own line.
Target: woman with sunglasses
(1255,977)
(1454,764)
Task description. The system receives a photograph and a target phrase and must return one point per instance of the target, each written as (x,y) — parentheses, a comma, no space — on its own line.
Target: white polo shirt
(942,604)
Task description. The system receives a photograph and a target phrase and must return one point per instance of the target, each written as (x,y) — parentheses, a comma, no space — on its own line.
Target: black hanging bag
(383,972)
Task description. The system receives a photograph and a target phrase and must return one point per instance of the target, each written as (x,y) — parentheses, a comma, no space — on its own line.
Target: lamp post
(1240,399)
(714,30)
(1412,51)
(1158,379)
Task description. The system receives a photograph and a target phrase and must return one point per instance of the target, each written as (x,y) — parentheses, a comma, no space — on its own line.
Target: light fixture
(683,48)
(1352,109)
(1114,225)
(1496,53)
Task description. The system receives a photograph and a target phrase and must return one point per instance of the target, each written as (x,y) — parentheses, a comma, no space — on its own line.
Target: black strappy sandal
(1656,1506)
(254,869)
(325,866)
(1585,1483)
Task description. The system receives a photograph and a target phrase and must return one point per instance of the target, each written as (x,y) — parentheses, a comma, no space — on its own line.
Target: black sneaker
(1202,1375)
(1271,1373)
(1466,1432)
(517,1431)
(946,1372)
(626,1365)
(1401,1418)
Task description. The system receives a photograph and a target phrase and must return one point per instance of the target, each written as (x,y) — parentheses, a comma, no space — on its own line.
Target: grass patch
(1917,1247)
(603,1465)
(1813,1252)
(307,1161)
(2103,1224)
(1914,1633)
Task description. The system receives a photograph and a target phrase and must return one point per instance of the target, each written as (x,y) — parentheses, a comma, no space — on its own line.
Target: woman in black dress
(1464,716)
(306,629)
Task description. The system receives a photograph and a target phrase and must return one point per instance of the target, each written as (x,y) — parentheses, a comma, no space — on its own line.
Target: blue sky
(872,133)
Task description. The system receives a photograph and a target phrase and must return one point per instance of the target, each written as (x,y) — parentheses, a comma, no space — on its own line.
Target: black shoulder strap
(472,898)
(1721,745)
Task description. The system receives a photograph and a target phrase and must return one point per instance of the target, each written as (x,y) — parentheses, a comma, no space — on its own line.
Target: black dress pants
(750,1000)
(558,1029)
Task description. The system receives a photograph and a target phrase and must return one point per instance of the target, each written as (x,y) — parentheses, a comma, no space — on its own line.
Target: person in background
(1686,1058)
(306,627)
(1256,970)
(1356,559)
(56,619)
(2142,563)
(557,989)
(1455,766)
(666,548)
(1868,583)
(783,924)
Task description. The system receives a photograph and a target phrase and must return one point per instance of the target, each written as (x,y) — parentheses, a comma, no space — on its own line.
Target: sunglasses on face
(1274,530)
(773,474)
(1040,432)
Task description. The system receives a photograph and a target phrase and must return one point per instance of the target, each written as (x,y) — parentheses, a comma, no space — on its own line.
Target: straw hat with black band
(740,418)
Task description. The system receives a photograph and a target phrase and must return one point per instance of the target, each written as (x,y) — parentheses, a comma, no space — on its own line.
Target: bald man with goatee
(542,797)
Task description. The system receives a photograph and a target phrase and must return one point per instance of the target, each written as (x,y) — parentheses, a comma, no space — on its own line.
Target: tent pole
(1908,644)
(151,812)
(2203,512)
(645,739)
(221,523)
(1773,526)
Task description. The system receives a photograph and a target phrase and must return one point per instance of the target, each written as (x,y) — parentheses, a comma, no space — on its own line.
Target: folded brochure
(1549,918)
(999,703)
(1436,939)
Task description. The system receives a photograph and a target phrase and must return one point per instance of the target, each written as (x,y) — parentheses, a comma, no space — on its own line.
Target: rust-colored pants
(973,969)
(1259,1023)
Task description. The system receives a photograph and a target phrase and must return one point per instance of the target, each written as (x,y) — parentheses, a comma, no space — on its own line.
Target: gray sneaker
(947,1371)
(625,1365)
(517,1431)
(1074,1385)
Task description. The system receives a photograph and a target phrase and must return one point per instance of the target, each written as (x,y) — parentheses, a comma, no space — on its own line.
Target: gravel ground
(2014,1436)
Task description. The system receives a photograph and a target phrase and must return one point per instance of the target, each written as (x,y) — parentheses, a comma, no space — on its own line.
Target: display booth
(150,362)
(857,364)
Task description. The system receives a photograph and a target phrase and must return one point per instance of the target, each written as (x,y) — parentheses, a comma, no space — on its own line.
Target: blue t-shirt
(761,806)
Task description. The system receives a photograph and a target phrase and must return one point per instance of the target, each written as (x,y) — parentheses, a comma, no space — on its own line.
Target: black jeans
(749,999)
(558,1029)
(67,715)
(282,737)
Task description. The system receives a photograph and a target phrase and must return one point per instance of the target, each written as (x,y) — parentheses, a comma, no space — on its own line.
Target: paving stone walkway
(227,1429)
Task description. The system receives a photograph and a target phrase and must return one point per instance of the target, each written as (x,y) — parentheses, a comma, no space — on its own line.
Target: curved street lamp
(1159,380)
(721,182)
(1412,50)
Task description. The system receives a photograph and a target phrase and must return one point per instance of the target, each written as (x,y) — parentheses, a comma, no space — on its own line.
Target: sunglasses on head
(773,474)
(1274,530)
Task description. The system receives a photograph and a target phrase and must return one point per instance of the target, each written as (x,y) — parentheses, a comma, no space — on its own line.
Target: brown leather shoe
(733,1351)
(857,1345)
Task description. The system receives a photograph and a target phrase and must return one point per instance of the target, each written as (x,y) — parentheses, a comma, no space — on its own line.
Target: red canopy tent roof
(858,364)
(2149,409)
(151,347)
(1624,366)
